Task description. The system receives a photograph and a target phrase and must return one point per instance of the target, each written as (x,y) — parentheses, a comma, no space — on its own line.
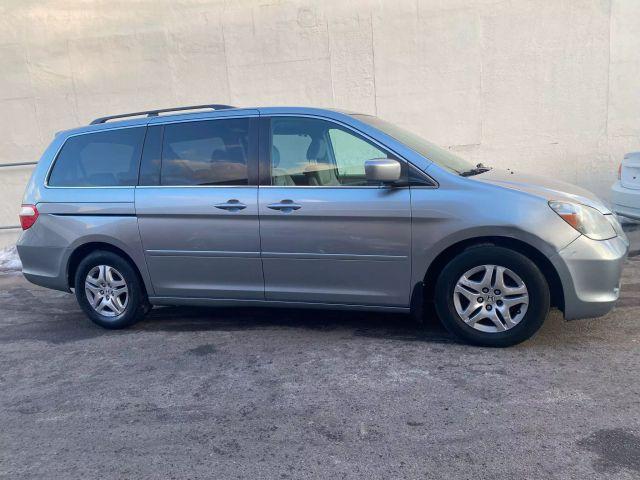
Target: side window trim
(253,160)
(147,156)
(264,153)
(74,135)
(265,142)
(426,181)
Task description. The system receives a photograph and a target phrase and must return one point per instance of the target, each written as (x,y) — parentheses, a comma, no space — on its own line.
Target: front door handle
(232,205)
(284,206)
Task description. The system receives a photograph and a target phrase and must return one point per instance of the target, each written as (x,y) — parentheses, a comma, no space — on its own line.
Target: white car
(625,193)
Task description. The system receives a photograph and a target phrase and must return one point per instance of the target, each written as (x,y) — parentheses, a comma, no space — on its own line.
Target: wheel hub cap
(490,298)
(106,290)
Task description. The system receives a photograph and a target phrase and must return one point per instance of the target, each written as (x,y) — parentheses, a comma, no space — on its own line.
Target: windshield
(432,152)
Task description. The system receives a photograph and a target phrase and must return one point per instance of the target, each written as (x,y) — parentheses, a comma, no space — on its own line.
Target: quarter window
(99,159)
(312,152)
(211,152)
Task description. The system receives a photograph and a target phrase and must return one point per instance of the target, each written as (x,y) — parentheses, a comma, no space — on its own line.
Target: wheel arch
(81,251)
(540,259)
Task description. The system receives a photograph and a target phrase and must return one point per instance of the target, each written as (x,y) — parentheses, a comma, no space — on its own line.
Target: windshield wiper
(479,168)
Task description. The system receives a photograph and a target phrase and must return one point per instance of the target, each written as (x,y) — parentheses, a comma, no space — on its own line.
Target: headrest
(317,149)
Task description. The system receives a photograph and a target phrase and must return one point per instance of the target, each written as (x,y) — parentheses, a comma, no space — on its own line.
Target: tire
(508,313)
(99,281)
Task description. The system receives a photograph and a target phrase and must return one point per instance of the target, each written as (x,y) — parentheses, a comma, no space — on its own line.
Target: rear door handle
(285,206)
(232,205)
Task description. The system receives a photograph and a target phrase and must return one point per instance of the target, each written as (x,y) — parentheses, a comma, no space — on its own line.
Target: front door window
(317,153)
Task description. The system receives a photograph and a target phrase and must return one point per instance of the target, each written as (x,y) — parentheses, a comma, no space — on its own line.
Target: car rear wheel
(492,296)
(109,291)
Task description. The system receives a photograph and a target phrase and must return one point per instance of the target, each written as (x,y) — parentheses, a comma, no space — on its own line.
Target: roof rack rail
(155,113)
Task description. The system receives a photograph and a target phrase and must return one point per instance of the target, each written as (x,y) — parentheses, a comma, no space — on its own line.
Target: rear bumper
(625,201)
(590,273)
(42,265)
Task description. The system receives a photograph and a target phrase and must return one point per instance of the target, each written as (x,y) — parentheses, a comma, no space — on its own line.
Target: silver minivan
(303,207)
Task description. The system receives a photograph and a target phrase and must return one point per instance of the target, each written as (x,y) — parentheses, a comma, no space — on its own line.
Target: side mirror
(384,170)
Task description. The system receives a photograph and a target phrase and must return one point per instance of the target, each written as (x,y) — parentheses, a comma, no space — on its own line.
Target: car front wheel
(492,296)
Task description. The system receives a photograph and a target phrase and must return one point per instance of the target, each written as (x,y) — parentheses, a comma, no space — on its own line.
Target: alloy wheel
(106,290)
(491,298)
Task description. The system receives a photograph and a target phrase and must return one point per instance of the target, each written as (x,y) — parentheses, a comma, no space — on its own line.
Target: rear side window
(100,159)
(210,152)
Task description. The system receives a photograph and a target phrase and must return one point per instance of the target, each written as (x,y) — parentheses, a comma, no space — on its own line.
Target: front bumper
(590,273)
(625,201)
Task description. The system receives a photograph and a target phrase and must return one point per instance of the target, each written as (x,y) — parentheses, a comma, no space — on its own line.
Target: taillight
(28,216)
(619,171)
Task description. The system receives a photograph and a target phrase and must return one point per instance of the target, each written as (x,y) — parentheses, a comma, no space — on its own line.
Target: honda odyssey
(303,207)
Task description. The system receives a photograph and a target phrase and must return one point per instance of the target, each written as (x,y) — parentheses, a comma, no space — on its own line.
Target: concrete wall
(547,86)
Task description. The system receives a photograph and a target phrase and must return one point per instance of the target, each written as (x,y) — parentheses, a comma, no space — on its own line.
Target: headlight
(587,220)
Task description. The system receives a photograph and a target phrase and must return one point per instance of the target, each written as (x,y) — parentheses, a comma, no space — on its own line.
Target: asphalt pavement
(266,393)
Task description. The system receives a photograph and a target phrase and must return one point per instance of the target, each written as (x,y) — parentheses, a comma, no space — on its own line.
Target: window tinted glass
(101,159)
(310,152)
(212,152)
